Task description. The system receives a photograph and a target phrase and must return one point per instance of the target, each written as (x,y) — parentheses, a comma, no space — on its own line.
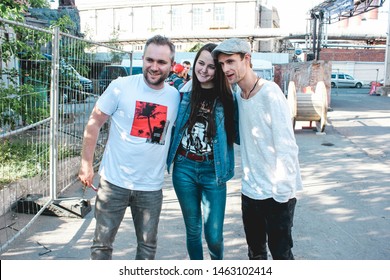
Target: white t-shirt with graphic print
(140,130)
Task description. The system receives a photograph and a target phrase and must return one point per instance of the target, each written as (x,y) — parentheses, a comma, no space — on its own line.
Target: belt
(195,157)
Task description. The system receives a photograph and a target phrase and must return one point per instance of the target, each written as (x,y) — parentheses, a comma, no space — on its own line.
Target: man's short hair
(161,41)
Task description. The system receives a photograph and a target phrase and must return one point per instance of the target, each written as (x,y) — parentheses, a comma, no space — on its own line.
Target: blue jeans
(196,188)
(110,208)
(268,220)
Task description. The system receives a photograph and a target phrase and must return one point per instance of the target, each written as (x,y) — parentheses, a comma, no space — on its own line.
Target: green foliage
(24,90)
(20,159)
(26,41)
(22,105)
(39,3)
(196,47)
(116,57)
(28,45)
(64,23)
(13,9)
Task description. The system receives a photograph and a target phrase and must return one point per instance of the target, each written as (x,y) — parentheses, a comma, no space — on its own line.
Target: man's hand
(86,174)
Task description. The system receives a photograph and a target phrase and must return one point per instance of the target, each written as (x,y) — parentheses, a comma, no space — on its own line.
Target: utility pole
(387,56)
(385,90)
(317,19)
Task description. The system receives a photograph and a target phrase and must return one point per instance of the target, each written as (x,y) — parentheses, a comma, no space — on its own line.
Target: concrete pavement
(343,213)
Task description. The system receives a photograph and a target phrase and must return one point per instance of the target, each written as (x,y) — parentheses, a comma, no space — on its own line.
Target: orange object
(308,89)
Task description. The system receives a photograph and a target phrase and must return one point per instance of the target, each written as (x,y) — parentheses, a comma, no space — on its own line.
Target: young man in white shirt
(142,109)
(271,174)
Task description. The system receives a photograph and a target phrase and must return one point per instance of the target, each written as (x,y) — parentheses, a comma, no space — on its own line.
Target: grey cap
(232,46)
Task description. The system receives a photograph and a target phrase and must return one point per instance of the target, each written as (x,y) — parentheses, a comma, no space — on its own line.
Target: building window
(178,47)
(178,18)
(138,48)
(141,19)
(105,24)
(123,20)
(197,17)
(160,20)
(219,16)
(157,18)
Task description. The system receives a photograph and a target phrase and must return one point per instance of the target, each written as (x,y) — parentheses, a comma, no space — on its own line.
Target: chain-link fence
(49,84)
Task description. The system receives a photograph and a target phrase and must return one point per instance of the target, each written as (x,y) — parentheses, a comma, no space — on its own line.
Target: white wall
(364,71)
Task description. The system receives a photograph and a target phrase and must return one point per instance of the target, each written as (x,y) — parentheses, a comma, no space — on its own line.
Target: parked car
(111,72)
(72,85)
(344,80)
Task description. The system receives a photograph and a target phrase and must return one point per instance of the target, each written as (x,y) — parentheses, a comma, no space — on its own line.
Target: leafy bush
(22,159)
(22,105)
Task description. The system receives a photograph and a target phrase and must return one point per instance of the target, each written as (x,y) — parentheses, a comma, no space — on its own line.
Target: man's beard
(158,82)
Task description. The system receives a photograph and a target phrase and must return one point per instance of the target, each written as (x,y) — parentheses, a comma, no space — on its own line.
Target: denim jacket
(223,153)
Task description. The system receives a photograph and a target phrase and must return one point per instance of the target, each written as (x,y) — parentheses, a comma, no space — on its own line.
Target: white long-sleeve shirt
(269,152)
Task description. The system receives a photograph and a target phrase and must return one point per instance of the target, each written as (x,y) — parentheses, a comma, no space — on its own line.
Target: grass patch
(20,160)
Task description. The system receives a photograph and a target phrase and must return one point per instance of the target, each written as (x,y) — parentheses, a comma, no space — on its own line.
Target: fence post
(54,103)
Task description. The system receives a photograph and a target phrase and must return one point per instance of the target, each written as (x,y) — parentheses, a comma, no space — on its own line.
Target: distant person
(176,78)
(203,155)
(142,109)
(186,70)
(271,173)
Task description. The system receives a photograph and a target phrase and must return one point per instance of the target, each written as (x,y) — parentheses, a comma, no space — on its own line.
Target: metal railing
(48,87)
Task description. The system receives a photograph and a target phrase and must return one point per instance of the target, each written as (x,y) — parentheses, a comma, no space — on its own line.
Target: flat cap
(232,46)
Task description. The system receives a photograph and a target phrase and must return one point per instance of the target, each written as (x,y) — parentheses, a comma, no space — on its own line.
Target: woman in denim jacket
(203,155)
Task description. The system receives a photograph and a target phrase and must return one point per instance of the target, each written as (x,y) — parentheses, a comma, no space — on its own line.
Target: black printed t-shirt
(195,139)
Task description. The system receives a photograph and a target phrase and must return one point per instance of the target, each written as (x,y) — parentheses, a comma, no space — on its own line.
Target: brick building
(366,55)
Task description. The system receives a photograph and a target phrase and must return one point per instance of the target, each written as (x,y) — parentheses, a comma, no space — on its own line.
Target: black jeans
(268,219)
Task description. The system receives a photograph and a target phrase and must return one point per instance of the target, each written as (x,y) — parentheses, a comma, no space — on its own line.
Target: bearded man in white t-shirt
(142,110)
(271,174)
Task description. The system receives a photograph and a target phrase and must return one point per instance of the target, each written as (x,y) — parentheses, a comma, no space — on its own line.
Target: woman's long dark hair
(224,95)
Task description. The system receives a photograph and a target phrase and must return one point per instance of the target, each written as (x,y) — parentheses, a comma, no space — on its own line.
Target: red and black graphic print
(150,122)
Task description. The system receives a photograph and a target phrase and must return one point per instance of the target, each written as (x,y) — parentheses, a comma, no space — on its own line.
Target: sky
(293,13)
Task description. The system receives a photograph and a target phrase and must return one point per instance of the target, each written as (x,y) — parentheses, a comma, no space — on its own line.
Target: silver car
(344,80)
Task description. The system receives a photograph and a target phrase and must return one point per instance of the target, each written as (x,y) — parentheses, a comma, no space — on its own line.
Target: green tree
(13,9)
(196,47)
(116,55)
(16,9)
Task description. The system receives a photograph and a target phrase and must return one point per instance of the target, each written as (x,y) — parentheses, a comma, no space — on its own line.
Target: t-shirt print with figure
(196,140)
(150,122)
